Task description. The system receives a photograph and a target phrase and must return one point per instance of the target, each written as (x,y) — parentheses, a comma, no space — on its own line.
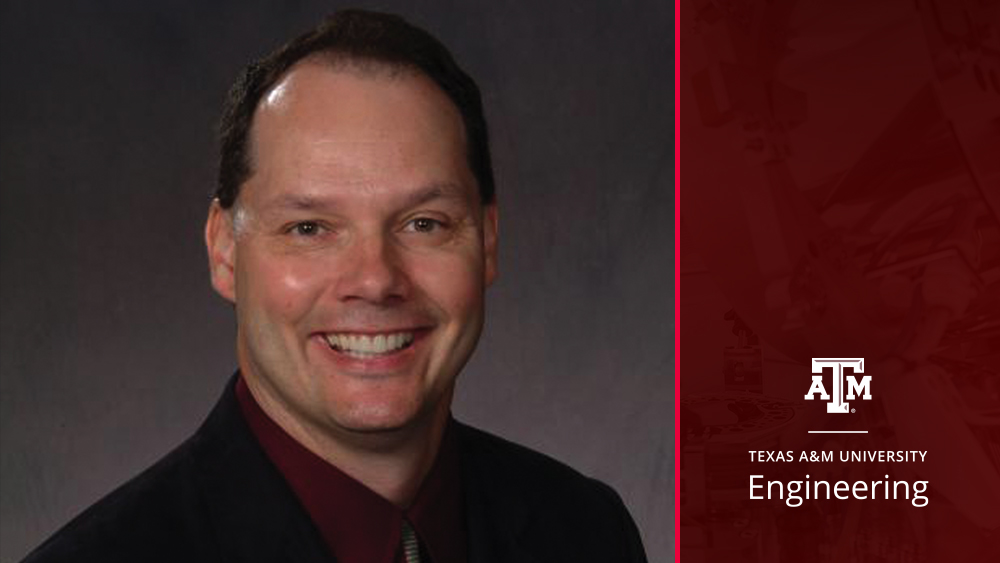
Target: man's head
(358,238)
(360,38)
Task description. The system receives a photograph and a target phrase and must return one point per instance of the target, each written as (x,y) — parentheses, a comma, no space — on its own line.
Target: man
(355,231)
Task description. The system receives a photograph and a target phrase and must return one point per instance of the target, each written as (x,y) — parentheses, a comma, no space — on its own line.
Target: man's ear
(221,245)
(490,227)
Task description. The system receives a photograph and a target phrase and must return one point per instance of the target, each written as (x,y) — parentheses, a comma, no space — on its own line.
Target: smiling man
(354,229)
(356,255)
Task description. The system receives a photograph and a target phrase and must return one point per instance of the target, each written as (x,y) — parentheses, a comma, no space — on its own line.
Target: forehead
(343,124)
(339,87)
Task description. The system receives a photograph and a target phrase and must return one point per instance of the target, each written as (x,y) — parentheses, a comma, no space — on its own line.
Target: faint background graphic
(840,197)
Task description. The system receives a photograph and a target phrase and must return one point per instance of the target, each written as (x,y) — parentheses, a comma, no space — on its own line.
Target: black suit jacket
(217,497)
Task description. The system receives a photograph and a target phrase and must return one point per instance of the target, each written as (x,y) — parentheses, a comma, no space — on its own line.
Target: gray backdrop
(114,346)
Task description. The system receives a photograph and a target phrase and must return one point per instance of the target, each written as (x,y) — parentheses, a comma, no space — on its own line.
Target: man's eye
(425,225)
(305,228)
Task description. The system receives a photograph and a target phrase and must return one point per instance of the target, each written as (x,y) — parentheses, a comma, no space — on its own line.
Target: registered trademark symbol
(854,410)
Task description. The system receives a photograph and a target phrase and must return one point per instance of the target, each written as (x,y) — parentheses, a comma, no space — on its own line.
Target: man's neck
(392,463)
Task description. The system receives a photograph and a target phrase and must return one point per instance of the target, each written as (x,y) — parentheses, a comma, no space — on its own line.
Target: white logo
(854,388)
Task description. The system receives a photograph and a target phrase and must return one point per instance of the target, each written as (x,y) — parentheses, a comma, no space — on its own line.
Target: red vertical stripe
(677,281)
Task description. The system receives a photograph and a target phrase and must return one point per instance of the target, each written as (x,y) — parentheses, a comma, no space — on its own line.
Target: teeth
(365,345)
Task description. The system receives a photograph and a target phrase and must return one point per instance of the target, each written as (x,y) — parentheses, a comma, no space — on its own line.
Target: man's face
(357,253)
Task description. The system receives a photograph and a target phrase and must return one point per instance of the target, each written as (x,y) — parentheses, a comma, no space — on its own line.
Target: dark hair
(357,36)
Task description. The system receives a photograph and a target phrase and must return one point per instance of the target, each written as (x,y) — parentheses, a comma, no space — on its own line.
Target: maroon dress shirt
(357,525)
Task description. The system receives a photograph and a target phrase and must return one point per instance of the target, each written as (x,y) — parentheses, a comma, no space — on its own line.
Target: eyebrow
(446,190)
(431,192)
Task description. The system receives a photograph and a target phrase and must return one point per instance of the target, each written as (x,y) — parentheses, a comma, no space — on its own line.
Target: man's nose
(374,272)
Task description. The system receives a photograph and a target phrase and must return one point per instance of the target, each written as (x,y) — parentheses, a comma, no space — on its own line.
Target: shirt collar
(358,525)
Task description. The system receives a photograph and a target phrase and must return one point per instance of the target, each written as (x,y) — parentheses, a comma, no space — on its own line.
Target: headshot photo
(383,282)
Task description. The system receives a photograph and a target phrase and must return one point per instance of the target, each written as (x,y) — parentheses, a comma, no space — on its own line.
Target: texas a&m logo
(841,383)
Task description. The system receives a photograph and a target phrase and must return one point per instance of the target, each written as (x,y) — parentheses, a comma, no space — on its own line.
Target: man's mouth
(369,345)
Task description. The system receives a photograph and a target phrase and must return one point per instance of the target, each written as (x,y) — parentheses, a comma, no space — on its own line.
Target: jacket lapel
(498,518)
(257,517)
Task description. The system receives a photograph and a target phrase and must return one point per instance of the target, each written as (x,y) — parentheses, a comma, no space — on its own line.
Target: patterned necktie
(411,549)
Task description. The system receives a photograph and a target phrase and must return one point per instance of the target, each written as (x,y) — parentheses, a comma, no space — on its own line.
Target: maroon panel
(839,180)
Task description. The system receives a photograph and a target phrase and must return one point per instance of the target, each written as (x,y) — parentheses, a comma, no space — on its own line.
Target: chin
(378,417)
(377,408)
